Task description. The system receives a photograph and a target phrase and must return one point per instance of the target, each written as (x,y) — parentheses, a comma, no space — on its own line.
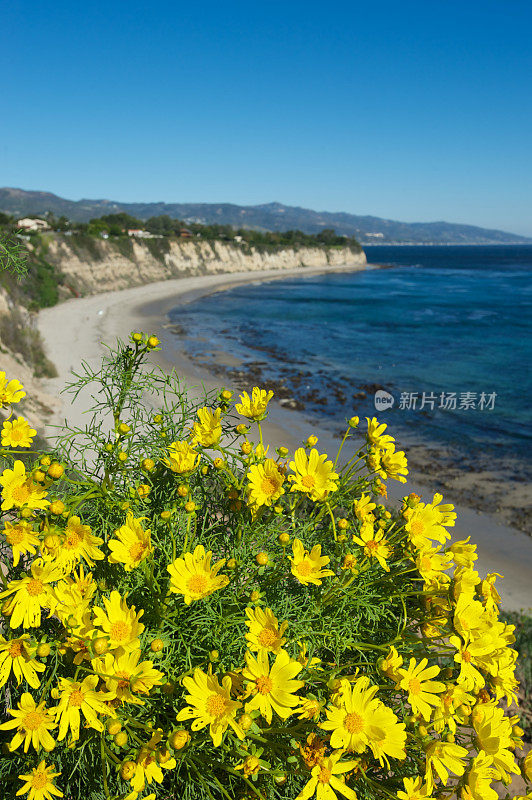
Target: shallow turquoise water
(441,320)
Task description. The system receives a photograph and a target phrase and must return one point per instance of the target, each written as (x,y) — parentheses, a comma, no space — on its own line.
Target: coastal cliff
(88,265)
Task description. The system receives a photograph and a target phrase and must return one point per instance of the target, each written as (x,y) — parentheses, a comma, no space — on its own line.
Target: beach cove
(78,329)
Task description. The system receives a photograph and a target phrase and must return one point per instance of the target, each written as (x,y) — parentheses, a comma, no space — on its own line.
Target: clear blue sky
(414,109)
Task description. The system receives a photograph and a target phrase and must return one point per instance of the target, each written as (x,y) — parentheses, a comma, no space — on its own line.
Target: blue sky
(408,110)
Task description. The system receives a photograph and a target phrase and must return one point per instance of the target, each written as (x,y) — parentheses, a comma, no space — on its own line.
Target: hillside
(271,216)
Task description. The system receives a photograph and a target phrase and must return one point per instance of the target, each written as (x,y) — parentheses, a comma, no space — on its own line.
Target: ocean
(442,335)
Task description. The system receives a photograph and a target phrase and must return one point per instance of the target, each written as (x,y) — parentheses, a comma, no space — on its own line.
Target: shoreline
(74,331)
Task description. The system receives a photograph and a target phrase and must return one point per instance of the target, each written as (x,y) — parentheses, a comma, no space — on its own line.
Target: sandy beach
(77,330)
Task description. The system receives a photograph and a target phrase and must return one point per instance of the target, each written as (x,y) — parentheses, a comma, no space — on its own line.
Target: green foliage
(13,254)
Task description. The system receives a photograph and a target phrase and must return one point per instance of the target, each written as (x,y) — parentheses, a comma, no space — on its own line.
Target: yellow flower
(210,704)
(363,507)
(194,578)
(21,538)
(427,521)
(391,663)
(254,407)
(182,458)
(431,563)
(40,784)
(265,483)
(479,779)
(272,688)
(310,708)
(77,543)
(31,594)
(76,699)
(488,591)
(10,391)
(120,623)
(422,691)
(17,433)
(443,758)
(374,543)
(464,554)
(149,762)
(264,631)
(414,790)
(207,430)
(494,737)
(324,781)
(308,567)
(17,656)
(19,489)
(33,723)
(376,435)
(132,545)
(125,678)
(360,720)
(393,464)
(314,474)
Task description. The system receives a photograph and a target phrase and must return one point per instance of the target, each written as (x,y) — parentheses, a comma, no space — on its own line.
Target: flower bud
(262,558)
(56,470)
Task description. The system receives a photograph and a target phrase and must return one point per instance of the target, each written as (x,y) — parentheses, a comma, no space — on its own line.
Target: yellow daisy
(182,458)
(324,781)
(374,543)
(21,538)
(31,594)
(207,431)
(119,622)
(19,489)
(40,783)
(442,758)
(314,474)
(210,704)
(265,483)
(77,698)
(149,761)
(79,542)
(254,407)
(33,723)
(193,577)
(18,656)
(125,678)
(308,567)
(423,692)
(264,632)
(375,434)
(10,391)
(272,688)
(132,545)
(351,720)
(18,433)
(415,789)
(393,464)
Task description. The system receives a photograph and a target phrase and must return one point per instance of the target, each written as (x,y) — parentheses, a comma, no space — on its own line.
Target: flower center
(268,486)
(466,655)
(414,685)
(417,527)
(33,720)
(372,545)
(76,698)
(14,536)
(16,434)
(304,568)
(354,723)
(264,684)
(198,584)
(15,649)
(308,481)
(120,631)
(34,587)
(216,705)
(21,493)
(39,780)
(136,551)
(73,539)
(325,775)
(426,564)
(267,637)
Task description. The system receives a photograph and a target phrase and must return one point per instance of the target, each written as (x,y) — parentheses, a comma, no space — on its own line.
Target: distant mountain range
(270,217)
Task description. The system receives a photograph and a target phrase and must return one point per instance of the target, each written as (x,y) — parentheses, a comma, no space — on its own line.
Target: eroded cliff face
(89,267)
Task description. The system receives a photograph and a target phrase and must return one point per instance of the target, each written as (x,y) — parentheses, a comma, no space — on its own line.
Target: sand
(76,331)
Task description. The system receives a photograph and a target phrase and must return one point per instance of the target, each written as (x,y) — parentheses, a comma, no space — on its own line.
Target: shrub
(189,614)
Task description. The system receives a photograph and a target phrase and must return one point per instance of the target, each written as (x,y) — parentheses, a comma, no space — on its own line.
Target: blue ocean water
(451,321)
